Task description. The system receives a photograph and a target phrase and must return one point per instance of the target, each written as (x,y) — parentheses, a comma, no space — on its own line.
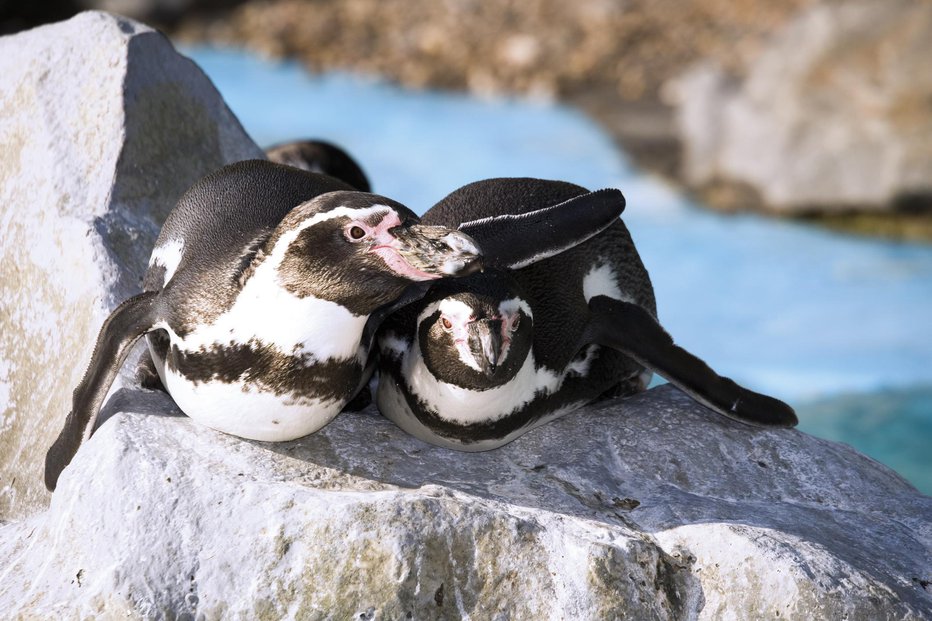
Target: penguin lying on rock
(481,360)
(266,286)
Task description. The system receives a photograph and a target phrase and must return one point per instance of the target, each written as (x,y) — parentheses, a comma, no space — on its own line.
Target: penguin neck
(265,313)
(308,325)
(465,405)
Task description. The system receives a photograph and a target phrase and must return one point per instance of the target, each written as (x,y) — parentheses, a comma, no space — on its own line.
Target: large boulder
(646,508)
(833,115)
(103,127)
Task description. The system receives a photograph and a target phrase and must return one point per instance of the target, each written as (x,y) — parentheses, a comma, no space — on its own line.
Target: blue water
(838,326)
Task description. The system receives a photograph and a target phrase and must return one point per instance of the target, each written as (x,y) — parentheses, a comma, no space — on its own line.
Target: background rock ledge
(103,126)
(834,115)
(651,507)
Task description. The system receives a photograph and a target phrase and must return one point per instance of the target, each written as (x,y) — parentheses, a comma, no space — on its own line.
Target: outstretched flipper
(631,329)
(518,240)
(120,331)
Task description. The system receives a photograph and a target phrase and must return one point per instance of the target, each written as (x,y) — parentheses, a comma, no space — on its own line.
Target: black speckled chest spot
(269,369)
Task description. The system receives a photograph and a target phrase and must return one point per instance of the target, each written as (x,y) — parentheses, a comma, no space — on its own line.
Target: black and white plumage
(322,157)
(263,292)
(481,360)
(255,300)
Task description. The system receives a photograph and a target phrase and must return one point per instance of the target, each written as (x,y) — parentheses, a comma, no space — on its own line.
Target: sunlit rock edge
(104,126)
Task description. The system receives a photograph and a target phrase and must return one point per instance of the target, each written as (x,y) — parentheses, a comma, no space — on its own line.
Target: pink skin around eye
(459,328)
(507,327)
(386,244)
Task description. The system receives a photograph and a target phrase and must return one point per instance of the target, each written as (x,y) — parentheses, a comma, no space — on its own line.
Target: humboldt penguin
(480,360)
(267,284)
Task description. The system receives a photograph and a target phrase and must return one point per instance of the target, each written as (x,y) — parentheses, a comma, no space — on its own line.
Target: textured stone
(646,508)
(834,114)
(544,48)
(103,126)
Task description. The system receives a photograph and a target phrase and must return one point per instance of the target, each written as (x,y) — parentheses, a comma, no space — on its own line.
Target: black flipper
(120,331)
(412,293)
(631,329)
(547,231)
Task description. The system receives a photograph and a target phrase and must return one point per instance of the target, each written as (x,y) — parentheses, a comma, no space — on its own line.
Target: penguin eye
(516,322)
(356,233)
(446,323)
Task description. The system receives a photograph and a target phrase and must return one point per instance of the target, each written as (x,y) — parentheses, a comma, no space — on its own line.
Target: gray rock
(103,126)
(834,114)
(650,507)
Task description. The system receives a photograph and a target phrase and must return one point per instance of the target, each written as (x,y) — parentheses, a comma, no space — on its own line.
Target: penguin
(481,360)
(266,287)
(320,156)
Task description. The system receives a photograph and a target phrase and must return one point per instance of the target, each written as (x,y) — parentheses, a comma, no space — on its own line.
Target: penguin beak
(429,252)
(486,336)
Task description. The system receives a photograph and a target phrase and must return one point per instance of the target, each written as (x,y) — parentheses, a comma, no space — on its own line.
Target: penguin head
(321,157)
(476,332)
(361,250)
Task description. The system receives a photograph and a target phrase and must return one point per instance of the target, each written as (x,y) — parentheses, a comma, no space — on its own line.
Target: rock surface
(650,507)
(834,114)
(538,47)
(103,126)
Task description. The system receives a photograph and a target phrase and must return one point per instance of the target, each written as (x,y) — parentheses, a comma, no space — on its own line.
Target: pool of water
(838,326)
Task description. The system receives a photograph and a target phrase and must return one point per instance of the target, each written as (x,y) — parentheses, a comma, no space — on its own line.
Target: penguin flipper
(129,321)
(632,330)
(518,240)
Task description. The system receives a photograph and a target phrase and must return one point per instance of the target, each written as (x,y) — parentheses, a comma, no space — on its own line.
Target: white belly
(394,406)
(243,410)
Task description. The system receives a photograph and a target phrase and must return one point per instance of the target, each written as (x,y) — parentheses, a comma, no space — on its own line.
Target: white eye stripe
(460,313)
(457,311)
(512,305)
(169,256)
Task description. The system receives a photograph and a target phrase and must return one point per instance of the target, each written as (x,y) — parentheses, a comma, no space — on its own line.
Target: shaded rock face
(103,127)
(645,508)
(836,114)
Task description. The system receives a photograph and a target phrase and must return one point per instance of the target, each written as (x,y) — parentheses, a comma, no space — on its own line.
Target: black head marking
(361,250)
(320,157)
(477,346)
(326,261)
(220,219)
